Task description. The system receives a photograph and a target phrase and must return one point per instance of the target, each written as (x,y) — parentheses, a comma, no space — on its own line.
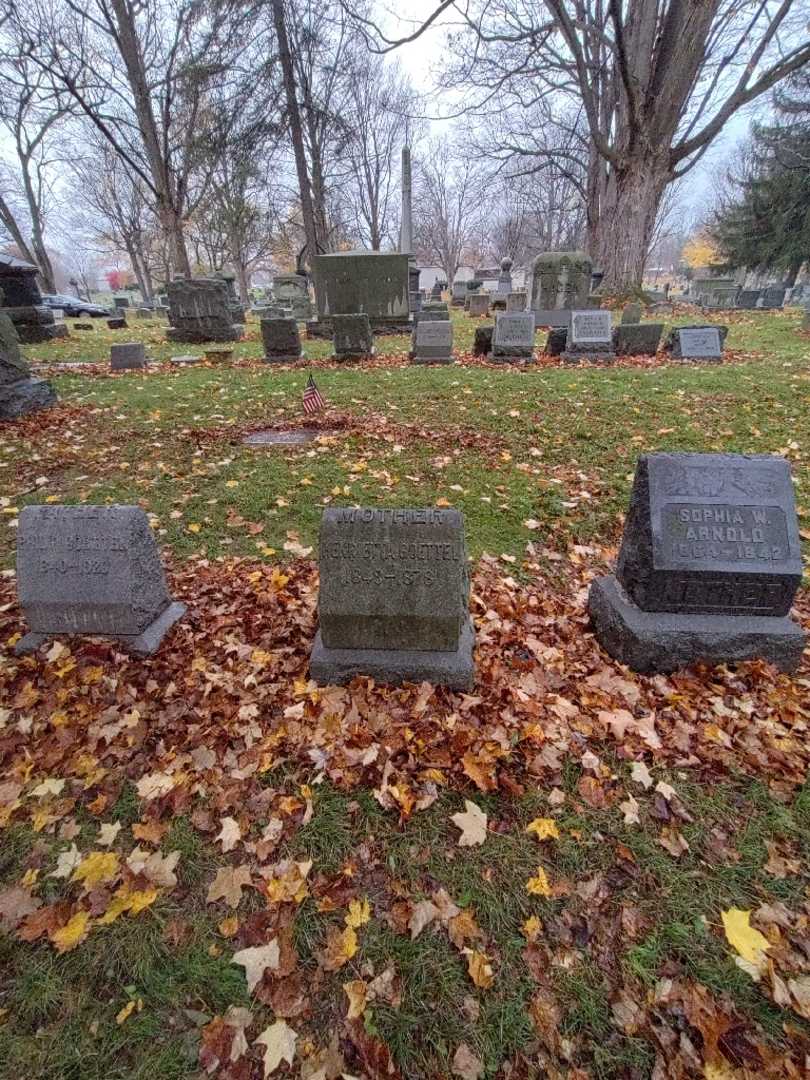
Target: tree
(448,204)
(656,81)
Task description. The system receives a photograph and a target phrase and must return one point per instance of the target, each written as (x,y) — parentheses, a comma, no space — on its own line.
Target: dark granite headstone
(482,342)
(200,310)
(479,306)
(698,343)
(394,598)
(116,324)
(514,336)
(33,321)
(433,341)
(748,299)
(590,337)
(555,342)
(282,342)
(19,393)
(772,297)
(92,570)
(459,294)
(352,337)
(637,339)
(129,354)
(709,565)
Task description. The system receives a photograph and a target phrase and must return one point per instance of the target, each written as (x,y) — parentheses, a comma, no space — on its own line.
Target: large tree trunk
(621,235)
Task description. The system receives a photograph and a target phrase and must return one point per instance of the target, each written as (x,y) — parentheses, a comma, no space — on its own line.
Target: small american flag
(313,398)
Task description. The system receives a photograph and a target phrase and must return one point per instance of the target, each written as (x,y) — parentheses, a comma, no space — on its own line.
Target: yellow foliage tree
(700,251)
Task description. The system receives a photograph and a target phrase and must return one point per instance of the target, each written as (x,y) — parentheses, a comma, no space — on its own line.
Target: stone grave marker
(121,301)
(514,336)
(433,341)
(479,306)
(631,313)
(199,311)
(33,321)
(282,342)
(129,354)
(291,291)
(116,324)
(561,282)
(394,598)
(637,339)
(698,343)
(708,568)
(352,337)
(590,337)
(516,301)
(459,294)
(482,340)
(772,297)
(92,570)
(19,393)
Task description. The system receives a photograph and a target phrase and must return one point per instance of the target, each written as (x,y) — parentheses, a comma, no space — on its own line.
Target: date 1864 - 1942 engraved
(728,533)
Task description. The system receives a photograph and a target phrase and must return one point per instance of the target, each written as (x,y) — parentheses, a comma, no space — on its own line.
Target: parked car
(73,306)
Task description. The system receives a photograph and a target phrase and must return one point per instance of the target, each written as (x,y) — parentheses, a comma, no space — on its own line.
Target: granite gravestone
(637,339)
(479,306)
(590,337)
(291,291)
(199,311)
(437,312)
(561,282)
(698,343)
(19,393)
(631,313)
(748,299)
(352,338)
(708,568)
(394,598)
(772,297)
(129,354)
(282,342)
(92,570)
(515,301)
(482,340)
(433,341)
(116,324)
(370,283)
(33,321)
(514,336)
(459,294)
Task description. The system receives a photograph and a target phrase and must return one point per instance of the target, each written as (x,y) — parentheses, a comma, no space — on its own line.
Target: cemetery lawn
(633,898)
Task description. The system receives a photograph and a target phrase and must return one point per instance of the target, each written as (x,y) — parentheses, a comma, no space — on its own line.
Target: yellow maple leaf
(193,527)
(228,927)
(544,828)
(127,1010)
(127,899)
(742,936)
(531,928)
(341,945)
(74,931)
(480,969)
(96,868)
(359,913)
(538,885)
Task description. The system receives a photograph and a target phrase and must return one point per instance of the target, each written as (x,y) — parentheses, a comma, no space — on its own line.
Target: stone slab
(282,342)
(116,324)
(352,337)
(479,306)
(651,642)
(698,343)
(456,669)
(129,354)
(514,336)
(25,396)
(637,339)
(591,328)
(433,341)
(482,342)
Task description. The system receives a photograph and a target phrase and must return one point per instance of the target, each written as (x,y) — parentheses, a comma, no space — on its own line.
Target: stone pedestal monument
(561,283)
(200,310)
(371,283)
(33,321)
(19,393)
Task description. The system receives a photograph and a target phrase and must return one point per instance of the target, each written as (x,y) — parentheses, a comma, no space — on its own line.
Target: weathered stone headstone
(672,343)
(352,337)
(116,324)
(371,283)
(637,339)
(561,283)
(698,343)
(121,301)
(199,311)
(144,313)
(33,321)
(772,297)
(482,341)
(514,336)
(82,326)
(459,293)
(433,341)
(590,337)
(92,570)
(708,568)
(129,354)
(434,311)
(479,306)
(555,342)
(291,291)
(516,301)
(394,598)
(19,393)
(631,313)
(281,340)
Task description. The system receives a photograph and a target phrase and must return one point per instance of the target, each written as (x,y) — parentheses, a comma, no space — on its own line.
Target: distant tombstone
(708,568)
(371,283)
(661,307)
(271,311)
(772,297)
(92,570)
(19,393)
(637,339)
(394,598)
(432,311)
(561,283)
(129,354)
(436,291)
(82,326)
(672,342)
(292,292)
(33,321)
(352,337)
(590,337)
(698,343)
(281,340)
(121,301)
(516,301)
(58,314)
(479,306)
(144,313)
(482,340)
(433,341)
(555,342)
(505,277)
(514,336)
(459,293)
(116,324)
(199,311)
(184,361)
(631,313)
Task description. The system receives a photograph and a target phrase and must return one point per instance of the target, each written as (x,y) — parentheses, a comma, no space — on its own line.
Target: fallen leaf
(544,828)
(73,932)
(356,993)
(538,885)
(466,1064)
(630,810)
(423,913)
(359,913)
(641,774)
(108,832)
(66,862)
(473,825)
(341,945)
(279,1042)
(228,884)
(256,961)
(15,904)
(96,868)
(746,939)
(479,968)
(229,835)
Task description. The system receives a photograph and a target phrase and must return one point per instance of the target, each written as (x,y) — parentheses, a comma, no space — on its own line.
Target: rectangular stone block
(711,533)
(129,354)
(514,336)
(281,340)
(698,343)
(479,306)
(352,337)
(362,282)
(433,340)
(590,328)
(638,339)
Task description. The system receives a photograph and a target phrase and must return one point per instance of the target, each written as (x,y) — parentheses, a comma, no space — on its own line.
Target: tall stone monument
(200,310)
(394,598)
(708,568)
(19,393)
(292,292)
(33,321)
(561,283)
(371,283)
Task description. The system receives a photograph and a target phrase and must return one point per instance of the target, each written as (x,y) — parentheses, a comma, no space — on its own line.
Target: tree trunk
(621,235)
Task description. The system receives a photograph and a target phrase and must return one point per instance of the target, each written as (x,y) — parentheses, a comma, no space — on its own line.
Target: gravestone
(433,342)
(184,361)
(434,311)
(82,326)
(748,299)
(33,321)
(436,291)
(479,306)
(394,598)
(199,311)
(144,313)
(561,283)
(631,313)
(698,343)
(116,324)
(482,341)
(371,283)
(671,343)
(661,307)
(637,339)
(352,337)
(708,568)
(514,336)
(121,301)
(129,354)
(459,293)
(281,340)
(555,342)
(505,277)
(92,570)
(234,303)
(590,337)
(516,301)
(19,393)
(291,291)
(772,297)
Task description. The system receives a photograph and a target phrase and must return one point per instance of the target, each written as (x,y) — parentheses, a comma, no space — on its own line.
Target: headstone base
(144,644)
(506,354)
(652,641)
(282,358)
(323,328)
(336,667)
(576,356)
(200,337)
(440,358)
(25,396)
